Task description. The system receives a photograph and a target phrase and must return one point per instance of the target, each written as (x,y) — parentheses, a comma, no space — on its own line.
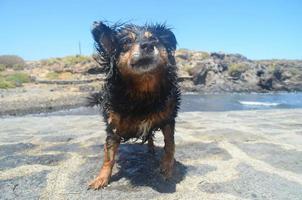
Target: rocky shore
(60,83)
(220,72)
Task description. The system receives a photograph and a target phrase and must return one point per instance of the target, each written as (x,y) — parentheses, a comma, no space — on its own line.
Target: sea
(194,102)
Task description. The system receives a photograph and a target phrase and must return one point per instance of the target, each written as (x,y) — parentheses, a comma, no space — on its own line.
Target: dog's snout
(147,46)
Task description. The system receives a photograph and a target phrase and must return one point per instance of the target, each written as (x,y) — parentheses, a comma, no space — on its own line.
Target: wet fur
(134,98)
(135,105)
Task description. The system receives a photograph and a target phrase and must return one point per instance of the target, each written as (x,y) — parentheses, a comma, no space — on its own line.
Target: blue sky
(258,29)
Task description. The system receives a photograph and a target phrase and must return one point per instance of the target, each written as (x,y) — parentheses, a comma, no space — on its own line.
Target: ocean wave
(258,103)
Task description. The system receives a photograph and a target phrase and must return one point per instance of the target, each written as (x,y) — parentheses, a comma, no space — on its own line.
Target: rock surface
(211,72)
(219,155)
(216,72)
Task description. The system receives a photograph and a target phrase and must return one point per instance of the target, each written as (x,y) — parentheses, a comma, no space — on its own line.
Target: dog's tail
(94,99)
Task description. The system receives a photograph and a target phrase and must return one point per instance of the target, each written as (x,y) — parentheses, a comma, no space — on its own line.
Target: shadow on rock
(142,168)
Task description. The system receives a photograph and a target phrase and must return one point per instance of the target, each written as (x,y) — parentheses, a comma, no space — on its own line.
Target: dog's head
(135,49)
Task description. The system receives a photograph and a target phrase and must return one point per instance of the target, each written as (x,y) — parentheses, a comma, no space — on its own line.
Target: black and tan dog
(141,93)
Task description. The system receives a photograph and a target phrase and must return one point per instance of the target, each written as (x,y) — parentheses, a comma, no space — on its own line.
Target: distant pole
(80,49)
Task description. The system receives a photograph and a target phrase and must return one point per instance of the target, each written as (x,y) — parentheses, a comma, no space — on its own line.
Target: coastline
(44,98)
(63,83)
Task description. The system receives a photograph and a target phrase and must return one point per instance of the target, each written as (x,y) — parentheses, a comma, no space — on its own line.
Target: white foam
(258,103)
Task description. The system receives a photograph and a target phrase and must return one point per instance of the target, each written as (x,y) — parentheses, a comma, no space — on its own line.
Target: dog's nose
(147,46)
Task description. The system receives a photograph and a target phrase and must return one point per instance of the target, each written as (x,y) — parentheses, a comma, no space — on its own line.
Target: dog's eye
(127,41)
(126,44)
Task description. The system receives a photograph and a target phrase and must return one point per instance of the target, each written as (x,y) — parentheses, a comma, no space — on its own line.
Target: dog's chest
(128,126)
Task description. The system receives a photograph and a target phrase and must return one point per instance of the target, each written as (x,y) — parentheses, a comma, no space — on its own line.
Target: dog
(141,93)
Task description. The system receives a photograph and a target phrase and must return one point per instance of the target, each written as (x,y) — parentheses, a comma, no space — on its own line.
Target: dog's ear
(104,37)
(165,35)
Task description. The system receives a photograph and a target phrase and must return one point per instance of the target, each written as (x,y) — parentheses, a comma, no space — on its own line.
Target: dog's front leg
(167,161)
(110,150)
(151,147)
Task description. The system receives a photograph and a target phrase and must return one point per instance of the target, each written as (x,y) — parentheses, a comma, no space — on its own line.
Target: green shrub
(67,60)
(194,55)
(59,75)
(6,84)
(12,60)
(72,60)
(13,80)
(203,55)
(271,67)
(52,75)
(45,61)
(2,67)
(236,69)
(18,67)
(18,78)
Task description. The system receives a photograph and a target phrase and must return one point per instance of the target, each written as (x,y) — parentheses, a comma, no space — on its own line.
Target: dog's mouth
(143,63)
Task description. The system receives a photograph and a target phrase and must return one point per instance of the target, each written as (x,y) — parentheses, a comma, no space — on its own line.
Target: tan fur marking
(147,34)
(132,35)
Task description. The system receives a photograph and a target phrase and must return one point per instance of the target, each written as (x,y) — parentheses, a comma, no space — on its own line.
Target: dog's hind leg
(167,161)
(110,150)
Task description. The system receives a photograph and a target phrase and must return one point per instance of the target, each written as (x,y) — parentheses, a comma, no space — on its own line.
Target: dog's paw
(99,182)
(166,169)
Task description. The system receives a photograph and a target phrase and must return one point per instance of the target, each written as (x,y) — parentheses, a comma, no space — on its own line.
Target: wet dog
(141,93)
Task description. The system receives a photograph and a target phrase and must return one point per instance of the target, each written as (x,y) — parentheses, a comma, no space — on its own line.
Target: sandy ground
(220,155)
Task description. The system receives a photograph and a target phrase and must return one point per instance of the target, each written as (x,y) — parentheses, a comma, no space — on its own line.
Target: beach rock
(220,72)
(266,83)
